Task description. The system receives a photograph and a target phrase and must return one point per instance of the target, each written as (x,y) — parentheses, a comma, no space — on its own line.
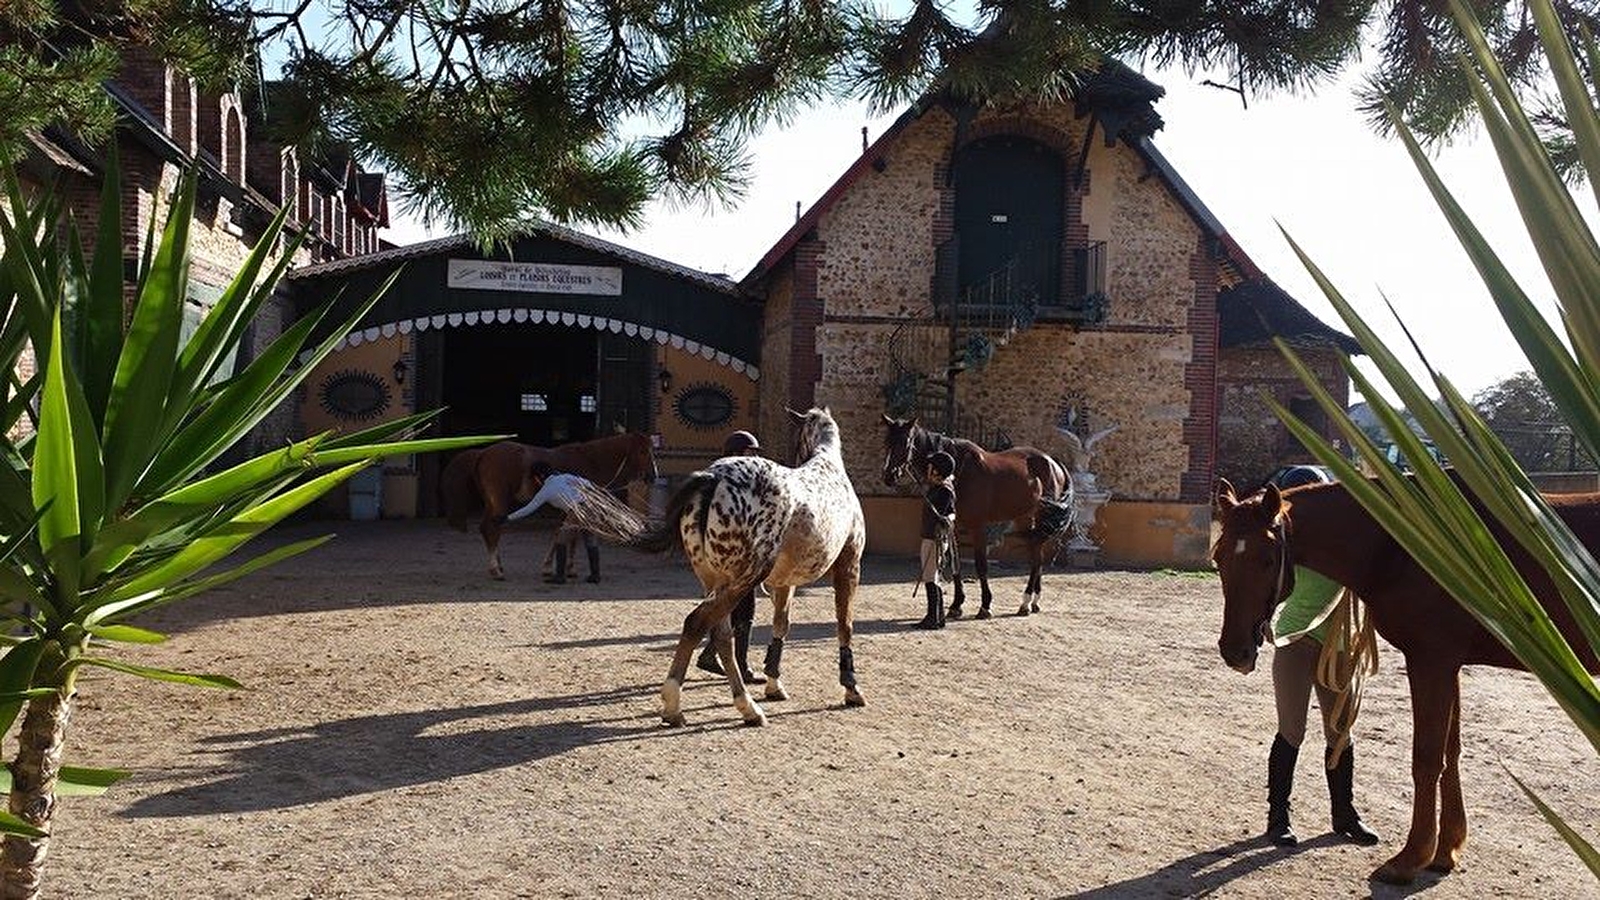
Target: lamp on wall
(665,377)
(399,371)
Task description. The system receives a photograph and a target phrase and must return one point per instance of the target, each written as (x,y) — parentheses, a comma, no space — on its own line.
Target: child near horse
(740,443)
(1304,631)
(563,491)
(938,522)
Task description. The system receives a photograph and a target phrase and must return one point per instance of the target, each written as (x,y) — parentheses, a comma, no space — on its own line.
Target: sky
(1311,163)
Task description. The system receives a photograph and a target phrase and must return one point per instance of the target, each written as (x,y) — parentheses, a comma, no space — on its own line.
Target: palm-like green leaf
(195,679)
(1451,522)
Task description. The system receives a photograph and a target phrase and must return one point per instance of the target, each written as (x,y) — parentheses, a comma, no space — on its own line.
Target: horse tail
(458,489)
(666,535)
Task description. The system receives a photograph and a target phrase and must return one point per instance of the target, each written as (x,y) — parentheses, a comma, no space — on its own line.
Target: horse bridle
(920,450)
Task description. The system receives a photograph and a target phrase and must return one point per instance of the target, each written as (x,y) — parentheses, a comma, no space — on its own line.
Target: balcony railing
(1025,287)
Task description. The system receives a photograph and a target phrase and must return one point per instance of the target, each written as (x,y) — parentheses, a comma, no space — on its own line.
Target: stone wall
(1252,442)
(776,342)
(1136,370)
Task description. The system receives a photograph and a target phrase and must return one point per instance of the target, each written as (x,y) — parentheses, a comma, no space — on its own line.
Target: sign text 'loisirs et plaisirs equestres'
(540,278)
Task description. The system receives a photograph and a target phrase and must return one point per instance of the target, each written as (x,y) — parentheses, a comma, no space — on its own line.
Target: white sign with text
(540,278)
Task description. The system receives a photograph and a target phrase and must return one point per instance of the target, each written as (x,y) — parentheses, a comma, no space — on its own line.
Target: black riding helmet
(942,464)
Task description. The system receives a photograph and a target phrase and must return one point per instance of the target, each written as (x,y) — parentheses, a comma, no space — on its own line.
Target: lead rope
(1349,655)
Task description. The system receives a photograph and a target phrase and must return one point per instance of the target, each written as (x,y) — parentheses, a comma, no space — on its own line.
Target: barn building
(1002,273)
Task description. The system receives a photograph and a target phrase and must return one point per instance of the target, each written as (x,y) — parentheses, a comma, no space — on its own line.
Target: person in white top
(564,491)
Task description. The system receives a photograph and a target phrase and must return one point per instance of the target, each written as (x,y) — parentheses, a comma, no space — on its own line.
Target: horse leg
(695,625)
(1452,811)
(773,665)
(980,562)
(1434,693)
(722,637)
(846,576)
(490,528)
(1030,593)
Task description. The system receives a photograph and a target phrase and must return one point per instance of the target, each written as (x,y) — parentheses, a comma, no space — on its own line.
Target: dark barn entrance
(538,382)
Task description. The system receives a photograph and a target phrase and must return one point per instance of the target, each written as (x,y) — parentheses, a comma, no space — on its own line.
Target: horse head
(817,432)
(1252,558)
(900,448)
(641,458)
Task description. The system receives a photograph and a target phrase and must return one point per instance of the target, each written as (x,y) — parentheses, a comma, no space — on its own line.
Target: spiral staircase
(967,326)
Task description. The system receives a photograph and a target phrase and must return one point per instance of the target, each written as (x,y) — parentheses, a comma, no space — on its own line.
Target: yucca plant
(1428,513)
(110,500)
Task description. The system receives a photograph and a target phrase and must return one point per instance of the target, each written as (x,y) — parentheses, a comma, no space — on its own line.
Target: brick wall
(1251,440)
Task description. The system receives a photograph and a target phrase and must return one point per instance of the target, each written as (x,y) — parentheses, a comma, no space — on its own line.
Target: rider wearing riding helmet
(1294,668)
(938,519)
(740,443)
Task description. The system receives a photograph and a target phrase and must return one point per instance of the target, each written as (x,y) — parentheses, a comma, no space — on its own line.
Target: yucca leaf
(16,674)
(374,452)
(126,634)
(10,824)
(139,389)
(55,476)
(1581,847)
(135,605)
(120,540)
(190,678)
(400,428)
(224,539)
(102,319)
(75,781)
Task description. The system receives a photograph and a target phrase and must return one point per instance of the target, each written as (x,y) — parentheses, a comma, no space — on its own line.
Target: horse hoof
(1390,873)
(1036,606)
(775,691)
(984,614)
(753,716)
(757,722)
(497,575)
(1023,610)
(675,721)
(1444,863)
(854,698)
(953,612)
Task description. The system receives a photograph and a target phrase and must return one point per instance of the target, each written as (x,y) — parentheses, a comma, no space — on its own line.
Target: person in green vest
(1302,626)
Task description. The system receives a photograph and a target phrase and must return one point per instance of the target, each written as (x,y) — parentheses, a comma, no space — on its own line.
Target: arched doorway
(1009,211)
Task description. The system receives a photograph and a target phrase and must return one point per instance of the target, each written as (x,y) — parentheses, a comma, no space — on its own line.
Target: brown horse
(495,480)
(1003,486)
(1324,529)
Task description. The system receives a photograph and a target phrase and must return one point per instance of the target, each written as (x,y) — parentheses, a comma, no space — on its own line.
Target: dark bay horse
(1324,529)
(493,481)
(1003,486)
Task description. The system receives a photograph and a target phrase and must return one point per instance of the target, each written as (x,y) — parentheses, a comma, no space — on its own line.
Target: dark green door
(1010,197)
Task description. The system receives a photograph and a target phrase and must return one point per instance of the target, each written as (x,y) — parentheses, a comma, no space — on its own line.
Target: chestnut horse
(1324,529)
(494,481)
(1003,486)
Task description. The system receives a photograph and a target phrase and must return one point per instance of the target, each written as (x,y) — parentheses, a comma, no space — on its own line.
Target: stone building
(167,126)
(1001,272)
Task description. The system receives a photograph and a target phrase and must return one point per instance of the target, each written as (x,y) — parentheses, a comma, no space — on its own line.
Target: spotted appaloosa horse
(991,486)
(495,480)
(1322,527)
(747,521)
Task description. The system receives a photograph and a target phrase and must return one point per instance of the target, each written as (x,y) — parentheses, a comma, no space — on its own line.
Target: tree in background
(492,110)
(1522,413)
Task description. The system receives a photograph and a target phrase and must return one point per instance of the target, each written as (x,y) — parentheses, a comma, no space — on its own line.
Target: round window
(705,406)
(354,395)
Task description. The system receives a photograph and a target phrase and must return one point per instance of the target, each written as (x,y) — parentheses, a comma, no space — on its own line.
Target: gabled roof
(1121,99)
(1256,310)
(531,227)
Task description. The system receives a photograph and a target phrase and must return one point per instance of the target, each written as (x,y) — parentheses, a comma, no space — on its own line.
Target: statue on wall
(1088,496)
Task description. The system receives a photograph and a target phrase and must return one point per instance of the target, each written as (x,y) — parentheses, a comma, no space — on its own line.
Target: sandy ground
(413,729)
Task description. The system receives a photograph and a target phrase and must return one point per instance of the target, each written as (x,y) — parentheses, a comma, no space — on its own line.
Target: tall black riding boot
(594,565)
(1341,787)
(558,575)
(935,615)
(741,653)
(1280,784)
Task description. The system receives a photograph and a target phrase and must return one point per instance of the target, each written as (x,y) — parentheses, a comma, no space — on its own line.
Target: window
(535,403)
(586,403)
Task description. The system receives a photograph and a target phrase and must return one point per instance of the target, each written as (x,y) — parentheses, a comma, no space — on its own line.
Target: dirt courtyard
(412,729)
